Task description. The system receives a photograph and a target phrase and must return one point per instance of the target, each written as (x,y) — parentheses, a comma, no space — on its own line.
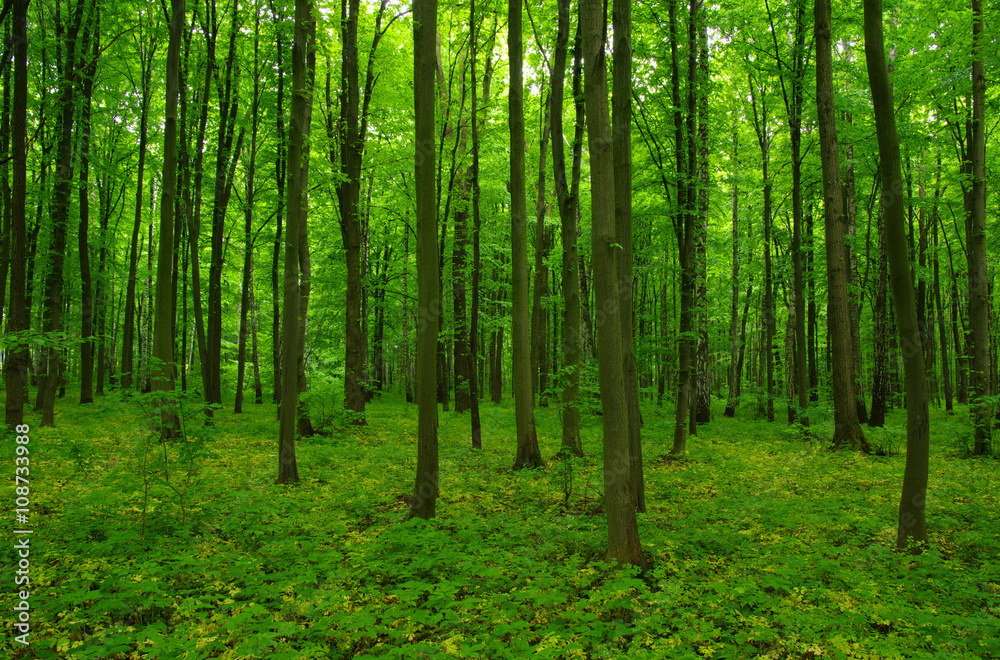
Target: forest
(569,329)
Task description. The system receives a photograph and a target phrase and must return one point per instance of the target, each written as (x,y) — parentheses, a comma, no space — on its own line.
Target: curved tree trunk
(912,503)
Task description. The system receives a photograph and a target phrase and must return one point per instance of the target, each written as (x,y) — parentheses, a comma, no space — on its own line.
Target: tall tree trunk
(302,93)
(17,360)
(83,240)
(163,339)
(880,362)
(475,381)
(5,192)
(53,310)
(619,495)
(528,454)
(912,503)
(979,300)
(541,271)
(568,203)
(703,373)
(942,330)
(225,165)
(280,164)
(425,491)
(248,240)
(733,372)
(621,136)
(348,196)
(812,330)
(127,376)
(304,427)
(762,129)
(684,230)
(847,431)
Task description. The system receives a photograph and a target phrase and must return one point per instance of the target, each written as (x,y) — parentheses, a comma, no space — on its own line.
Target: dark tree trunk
(248,238)
(847,431)
(942,330)
(83,239)
(528,453)
(53,309)
(163,338)
(297,187)
(619,494)
(979,299)
(18,359)
(568,203)
(146,55)
(764,140)
(225,165)
(425,491)
(280,163)
(912,503)
(880,362)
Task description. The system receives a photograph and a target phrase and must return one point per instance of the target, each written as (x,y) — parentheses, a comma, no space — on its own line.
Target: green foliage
(761,545)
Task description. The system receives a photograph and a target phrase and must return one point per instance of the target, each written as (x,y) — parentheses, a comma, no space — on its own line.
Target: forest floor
(762,544)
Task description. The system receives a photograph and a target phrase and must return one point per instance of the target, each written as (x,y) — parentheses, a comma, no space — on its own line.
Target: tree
(912,503)
(979,299)
(621,136)
(425,491)
(52,317)
(17,360)
(89,73)
(146,54)
(528,454)
(297,185)
(163,338)
(619,496)
(568,203)
(847,430)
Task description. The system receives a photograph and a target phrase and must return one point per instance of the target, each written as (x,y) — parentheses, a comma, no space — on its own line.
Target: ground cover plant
(762,544)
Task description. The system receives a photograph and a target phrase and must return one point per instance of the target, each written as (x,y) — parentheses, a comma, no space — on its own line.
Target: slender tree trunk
(621,136)
(847,431)
(304,427)
(684,230)
(5,192)
(734,308)
(475,380)
(248,201)
(979,299)
(912,503)
(348,196)
(764,140)
(302,93)
(163,339)
(880,362)
(703,374)
(146,55)
(53,310)
(425,491)
(17,360)
(942,330)
(83,240)
(568,204)
(528,453)
(280,163)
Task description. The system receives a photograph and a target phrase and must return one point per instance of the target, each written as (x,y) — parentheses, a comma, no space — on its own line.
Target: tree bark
(92,37)
(882,314)
(425,491)
(17,359)
(528,453)
(279,176)
(979,299)
(297,130)
(163,337)
(619,496)
(847,430)
(912,504)
(53,310)
(568,203)
(942,330)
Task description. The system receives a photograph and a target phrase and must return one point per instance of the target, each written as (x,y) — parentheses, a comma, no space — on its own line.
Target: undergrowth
(763,544)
